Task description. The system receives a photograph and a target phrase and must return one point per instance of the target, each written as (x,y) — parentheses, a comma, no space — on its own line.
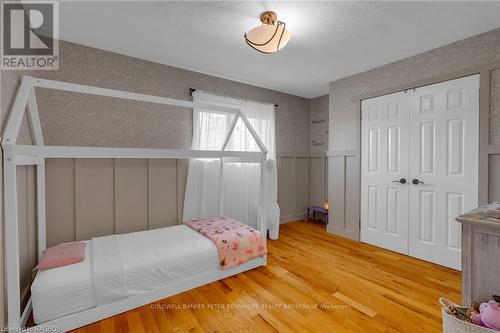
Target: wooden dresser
(480,254)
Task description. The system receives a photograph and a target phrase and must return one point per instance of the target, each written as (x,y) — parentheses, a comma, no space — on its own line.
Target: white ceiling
(330,40)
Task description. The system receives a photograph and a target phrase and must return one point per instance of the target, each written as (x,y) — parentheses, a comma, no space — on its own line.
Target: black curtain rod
(192,90)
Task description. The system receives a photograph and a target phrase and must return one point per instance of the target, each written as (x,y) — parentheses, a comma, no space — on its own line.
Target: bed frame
(15,155)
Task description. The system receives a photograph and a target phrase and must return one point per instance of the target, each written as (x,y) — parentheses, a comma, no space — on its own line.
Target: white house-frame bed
(16,155)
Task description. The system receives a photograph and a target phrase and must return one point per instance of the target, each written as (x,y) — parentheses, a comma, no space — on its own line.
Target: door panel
(373,208)
(426,222)
(444,131)
(393,203)
(385,134)
(454,207)
(427,144)
(373,149)
(455,147)
(393,149)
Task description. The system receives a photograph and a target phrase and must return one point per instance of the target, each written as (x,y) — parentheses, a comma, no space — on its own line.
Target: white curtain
(241,180)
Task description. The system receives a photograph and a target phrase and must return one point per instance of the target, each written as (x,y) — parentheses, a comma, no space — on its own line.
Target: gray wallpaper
(495,107)
(467,53)
(319,125)
(76,119)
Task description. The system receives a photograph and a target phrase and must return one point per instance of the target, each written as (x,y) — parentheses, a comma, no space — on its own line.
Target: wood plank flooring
(314,282)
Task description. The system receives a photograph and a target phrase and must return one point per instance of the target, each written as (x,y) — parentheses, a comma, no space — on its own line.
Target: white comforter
(123,266)
(129,264)
(108,270)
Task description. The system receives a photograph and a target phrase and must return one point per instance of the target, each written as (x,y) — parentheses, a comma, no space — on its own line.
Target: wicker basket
(451,324)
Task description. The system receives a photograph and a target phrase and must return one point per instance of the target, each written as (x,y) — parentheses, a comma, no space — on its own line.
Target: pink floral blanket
(236,242)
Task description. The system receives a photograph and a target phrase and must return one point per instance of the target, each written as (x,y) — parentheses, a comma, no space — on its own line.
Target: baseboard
(293,217)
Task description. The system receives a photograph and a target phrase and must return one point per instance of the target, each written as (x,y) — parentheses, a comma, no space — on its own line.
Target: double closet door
(419,168)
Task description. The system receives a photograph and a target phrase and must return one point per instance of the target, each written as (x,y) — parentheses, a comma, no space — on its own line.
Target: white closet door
(384,161)
(444,134)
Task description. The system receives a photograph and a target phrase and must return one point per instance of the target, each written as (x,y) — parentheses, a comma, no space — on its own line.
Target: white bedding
(64,290)
(150,259)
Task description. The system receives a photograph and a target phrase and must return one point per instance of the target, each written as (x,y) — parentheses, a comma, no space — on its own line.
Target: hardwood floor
(314,282)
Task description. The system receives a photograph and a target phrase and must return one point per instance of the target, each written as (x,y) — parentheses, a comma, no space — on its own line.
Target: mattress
(63,290)
(150,259)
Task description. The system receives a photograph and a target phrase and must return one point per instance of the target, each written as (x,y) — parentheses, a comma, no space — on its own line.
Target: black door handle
(415,181)
(402,181)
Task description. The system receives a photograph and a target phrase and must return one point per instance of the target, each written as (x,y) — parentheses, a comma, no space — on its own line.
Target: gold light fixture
(270,37)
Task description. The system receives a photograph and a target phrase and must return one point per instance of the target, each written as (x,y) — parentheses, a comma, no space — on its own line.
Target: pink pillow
(62,255)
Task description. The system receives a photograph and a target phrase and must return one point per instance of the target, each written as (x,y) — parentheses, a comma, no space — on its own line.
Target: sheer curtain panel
(241,180)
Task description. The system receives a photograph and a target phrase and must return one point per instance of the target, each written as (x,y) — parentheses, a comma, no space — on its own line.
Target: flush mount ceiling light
(270,37)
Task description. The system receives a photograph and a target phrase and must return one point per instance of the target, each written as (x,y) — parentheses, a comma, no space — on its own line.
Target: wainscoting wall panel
(336,192)
(318,179)
(351,204)
(343,193)
(182,173)
(131,195)
(93,197)
(494,183)
(287,189)
(162,195)
(60,200)
(302,181)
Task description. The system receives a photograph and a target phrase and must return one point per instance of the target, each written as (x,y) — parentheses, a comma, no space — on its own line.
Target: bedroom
(140,112)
